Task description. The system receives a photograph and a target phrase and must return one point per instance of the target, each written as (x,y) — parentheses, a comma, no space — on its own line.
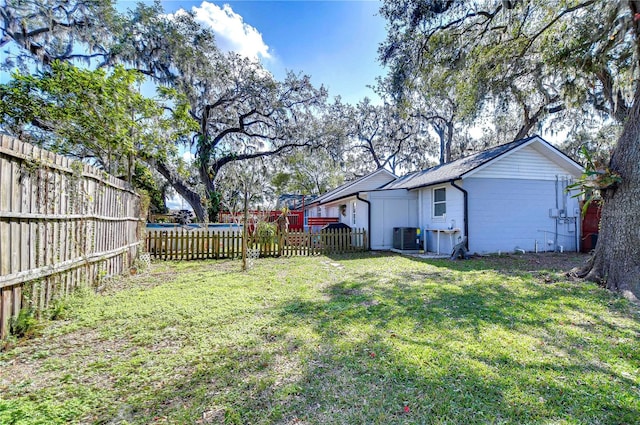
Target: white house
(344,202)
(510,197)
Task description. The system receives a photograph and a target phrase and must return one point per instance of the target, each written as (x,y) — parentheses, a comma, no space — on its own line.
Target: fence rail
(207,244)
(322,221)
(62,224)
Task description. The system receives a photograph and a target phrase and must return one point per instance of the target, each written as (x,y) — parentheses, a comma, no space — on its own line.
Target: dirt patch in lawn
(37,362)
(548,261)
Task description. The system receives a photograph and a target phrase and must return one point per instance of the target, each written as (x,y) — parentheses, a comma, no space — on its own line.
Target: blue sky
(335,42)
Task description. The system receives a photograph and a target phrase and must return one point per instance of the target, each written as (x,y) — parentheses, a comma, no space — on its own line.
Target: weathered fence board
(189,244)
(62,224)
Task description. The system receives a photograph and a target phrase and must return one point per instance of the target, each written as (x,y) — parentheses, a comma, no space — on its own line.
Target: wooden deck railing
(321,221)
(200,244)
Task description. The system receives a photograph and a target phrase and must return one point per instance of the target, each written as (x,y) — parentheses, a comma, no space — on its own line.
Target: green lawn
(362,339)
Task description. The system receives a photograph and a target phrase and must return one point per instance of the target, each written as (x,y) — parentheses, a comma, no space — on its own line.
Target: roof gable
(371,181)
(535,158)
(452,170)
(467,166)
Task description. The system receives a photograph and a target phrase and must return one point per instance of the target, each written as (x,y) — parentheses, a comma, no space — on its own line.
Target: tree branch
(552,23)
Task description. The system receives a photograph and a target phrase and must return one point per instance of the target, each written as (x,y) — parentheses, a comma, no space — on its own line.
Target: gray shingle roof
(330,195)
(452,170)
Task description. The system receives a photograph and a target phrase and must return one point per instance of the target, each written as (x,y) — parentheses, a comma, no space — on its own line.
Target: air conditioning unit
(406,238)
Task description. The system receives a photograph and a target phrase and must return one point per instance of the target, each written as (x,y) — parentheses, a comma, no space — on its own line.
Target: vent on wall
(406,238)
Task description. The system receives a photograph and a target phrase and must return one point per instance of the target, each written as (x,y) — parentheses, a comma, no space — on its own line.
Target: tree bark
(207,175)
(444,130)
(192,197)
(439,129)
(447,145)
(616,260)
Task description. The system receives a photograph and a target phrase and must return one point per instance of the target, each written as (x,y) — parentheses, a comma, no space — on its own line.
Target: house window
(319,212)
(440,202)
(353,213)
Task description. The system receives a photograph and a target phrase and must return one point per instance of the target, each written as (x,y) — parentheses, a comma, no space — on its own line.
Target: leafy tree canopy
(525,61)
(565,63)
(48,30)
(93,115)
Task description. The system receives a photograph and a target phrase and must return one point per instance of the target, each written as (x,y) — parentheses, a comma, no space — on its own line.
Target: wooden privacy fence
(62,224)
(202,243)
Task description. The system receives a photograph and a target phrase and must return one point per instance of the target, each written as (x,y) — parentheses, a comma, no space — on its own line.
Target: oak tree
(545,58)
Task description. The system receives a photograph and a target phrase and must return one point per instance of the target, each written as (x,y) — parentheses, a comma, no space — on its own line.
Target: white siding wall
(362,214)
(526,163)
(330,209)
(455,211)
(333,210)
(389,209)
(505,214)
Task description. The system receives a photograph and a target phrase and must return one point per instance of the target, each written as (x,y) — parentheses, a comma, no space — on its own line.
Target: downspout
(304,215)
(555,235)
(466,211)
(368,218)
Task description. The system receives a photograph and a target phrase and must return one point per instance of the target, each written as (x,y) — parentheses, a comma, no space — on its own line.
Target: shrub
(266,232)
(58,309)
(24,324)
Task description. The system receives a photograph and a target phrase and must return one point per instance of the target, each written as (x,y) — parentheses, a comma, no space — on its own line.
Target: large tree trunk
(447,145)
(207,177)
(205,171)
(616,260)
(439,129)
(444,130)
(193,198)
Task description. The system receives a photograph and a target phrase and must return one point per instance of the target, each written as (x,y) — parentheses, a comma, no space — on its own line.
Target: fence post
(280,236)
(226,244)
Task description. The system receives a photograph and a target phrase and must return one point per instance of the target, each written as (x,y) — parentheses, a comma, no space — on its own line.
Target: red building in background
(590,227)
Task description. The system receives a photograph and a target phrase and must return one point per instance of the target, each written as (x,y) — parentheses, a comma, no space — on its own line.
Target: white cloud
(232,33)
